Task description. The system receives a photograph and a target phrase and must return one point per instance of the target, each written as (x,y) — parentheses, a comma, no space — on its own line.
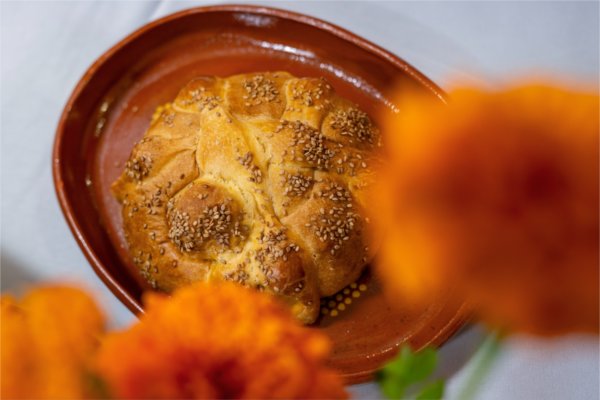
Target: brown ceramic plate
(111,107)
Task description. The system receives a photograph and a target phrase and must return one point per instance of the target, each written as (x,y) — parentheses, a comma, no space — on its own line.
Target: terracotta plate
(111,107)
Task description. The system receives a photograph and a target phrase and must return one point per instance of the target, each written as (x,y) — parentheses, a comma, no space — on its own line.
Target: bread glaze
(259,179)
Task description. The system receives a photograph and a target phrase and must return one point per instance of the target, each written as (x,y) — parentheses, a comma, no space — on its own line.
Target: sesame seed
(308,96)
(203,99)
(354,124)
(214,224)
(296,184)
(312,142)
(168,118)
(138,168)
(260,89)
(255,172)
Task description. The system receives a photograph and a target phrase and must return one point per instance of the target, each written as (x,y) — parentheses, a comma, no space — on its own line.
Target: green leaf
(422,365)
(408,368)
(391,389)
(433,391)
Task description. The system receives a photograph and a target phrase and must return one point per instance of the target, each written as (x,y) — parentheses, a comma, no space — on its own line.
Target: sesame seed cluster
(353,123)
(308,96)
(296,185)
(255,172)
(312,144)
(260,89)
(215,224)
(276,246)
(201,99)
(138,168)
(252,179)
(337,223)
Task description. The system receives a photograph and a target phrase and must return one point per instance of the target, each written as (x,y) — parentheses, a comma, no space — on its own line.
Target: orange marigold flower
(47,341)
(497,194)
(217,341)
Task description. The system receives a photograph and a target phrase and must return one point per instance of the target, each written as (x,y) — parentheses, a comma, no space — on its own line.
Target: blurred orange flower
(496,194)
(217,341)
(47,340)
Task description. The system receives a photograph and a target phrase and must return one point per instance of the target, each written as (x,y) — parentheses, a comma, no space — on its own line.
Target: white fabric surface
(46,47)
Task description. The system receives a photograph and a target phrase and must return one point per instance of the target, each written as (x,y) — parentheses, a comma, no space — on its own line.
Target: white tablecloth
(46,47)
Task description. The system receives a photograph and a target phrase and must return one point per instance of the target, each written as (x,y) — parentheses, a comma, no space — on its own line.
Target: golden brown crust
(258,179)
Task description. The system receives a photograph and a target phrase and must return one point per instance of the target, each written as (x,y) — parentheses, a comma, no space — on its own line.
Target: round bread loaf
(258,179)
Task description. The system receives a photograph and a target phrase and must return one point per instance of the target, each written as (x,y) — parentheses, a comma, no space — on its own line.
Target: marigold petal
(497,193)
(48,339)
(217,341)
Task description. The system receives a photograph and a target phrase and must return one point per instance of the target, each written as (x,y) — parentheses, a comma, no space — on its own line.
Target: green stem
(481,365)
